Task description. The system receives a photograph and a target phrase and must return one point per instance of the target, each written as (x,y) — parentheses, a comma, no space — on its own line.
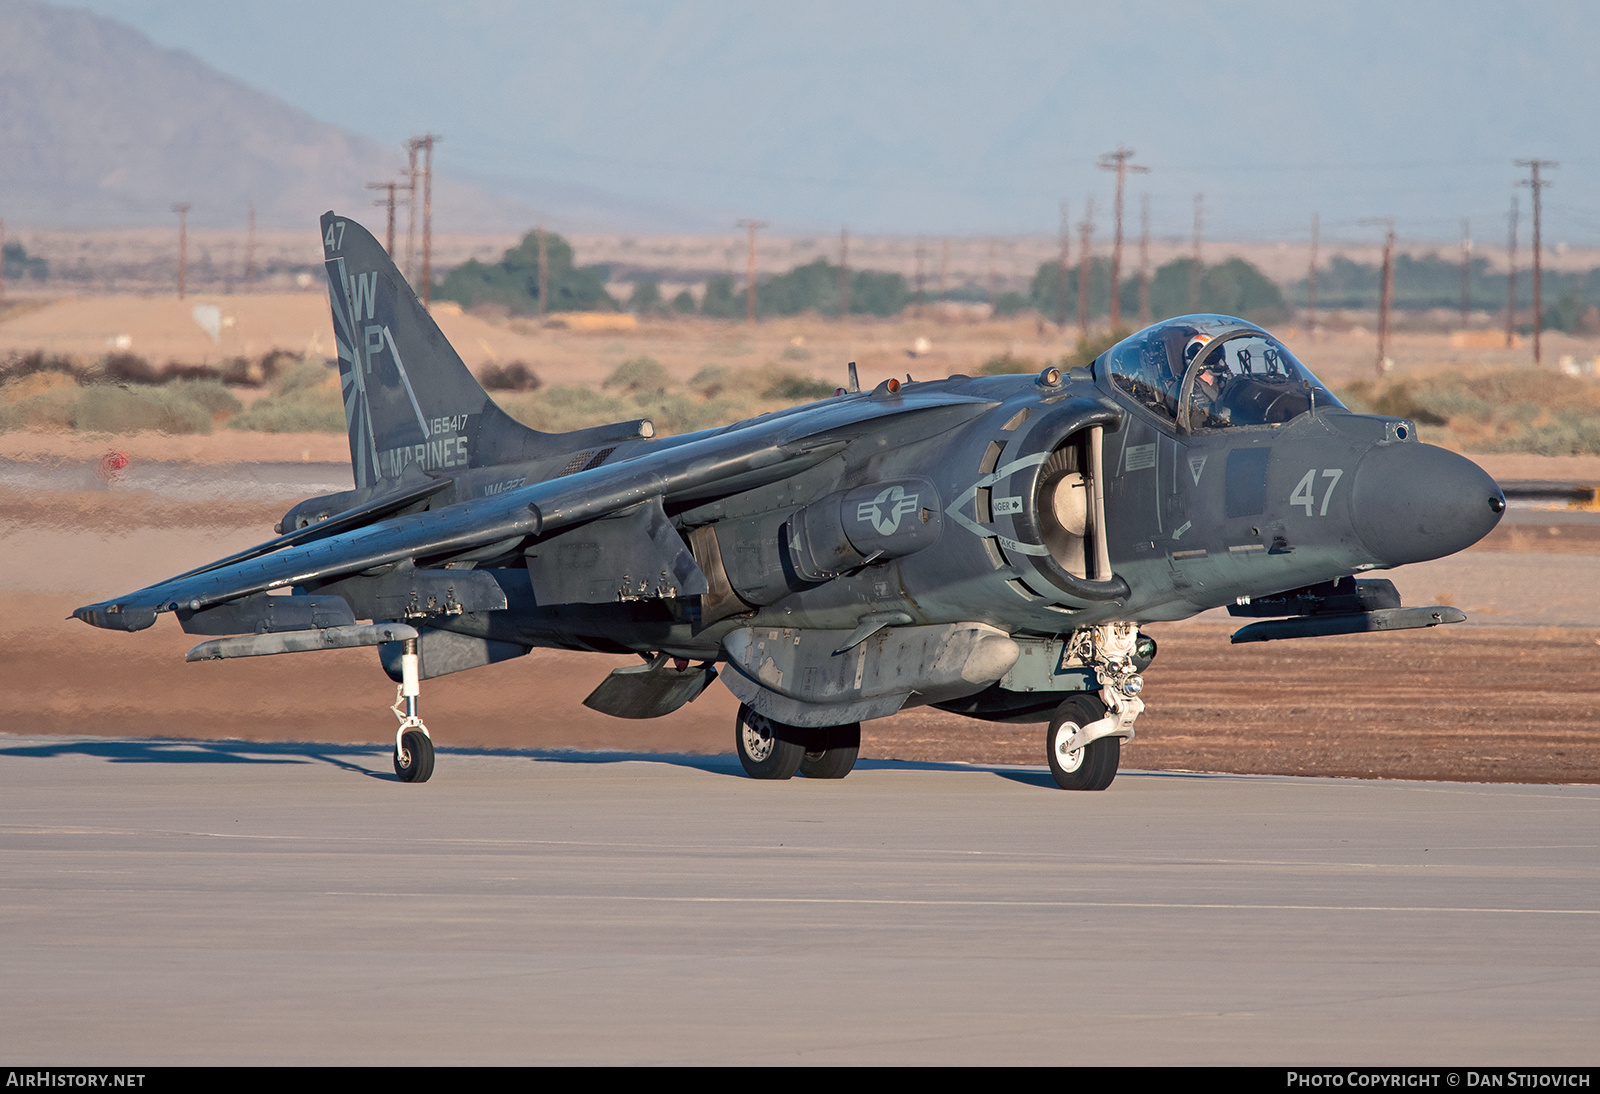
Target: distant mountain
(99,126)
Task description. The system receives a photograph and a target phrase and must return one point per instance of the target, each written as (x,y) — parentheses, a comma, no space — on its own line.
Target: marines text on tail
(988,545)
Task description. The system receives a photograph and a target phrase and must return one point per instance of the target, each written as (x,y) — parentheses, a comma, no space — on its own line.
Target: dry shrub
(515,376)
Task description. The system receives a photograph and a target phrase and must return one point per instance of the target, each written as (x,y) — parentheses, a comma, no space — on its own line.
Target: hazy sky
(958,117)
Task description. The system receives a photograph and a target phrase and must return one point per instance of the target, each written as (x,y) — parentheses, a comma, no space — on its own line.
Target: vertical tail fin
(408,398)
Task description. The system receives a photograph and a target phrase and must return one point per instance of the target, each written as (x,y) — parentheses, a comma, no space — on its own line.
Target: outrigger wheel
(413,759)
(1091,767)
(413,748)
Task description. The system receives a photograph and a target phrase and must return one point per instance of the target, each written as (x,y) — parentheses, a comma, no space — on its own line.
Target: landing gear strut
(413,748)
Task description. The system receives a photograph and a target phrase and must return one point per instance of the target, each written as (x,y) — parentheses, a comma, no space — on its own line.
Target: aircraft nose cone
(1414,502)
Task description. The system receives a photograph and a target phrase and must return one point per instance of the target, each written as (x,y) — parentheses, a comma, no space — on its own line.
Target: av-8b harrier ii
(987,545)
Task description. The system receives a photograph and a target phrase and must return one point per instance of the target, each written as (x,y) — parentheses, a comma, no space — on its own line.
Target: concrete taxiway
(221,902)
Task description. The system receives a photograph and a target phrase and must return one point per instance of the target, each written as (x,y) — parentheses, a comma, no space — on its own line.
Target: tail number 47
(1306,493)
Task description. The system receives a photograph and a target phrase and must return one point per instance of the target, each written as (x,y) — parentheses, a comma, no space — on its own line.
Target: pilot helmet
(1192,349)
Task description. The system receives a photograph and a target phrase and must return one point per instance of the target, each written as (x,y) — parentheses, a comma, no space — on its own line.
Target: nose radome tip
(1415,502)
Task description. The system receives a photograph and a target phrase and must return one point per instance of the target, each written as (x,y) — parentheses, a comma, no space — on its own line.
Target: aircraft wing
(726,461)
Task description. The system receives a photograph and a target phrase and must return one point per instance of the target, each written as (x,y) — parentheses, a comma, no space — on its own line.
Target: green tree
(19,263)
(646,298)
(514,281)
(1233,287)
(720,302)
(815,287)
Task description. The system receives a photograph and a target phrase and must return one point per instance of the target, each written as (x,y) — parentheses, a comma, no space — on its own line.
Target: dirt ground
(1467,703)
(1512,695)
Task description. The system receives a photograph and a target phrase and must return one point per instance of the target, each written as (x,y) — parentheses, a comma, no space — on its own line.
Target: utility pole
(411,203)
(250,252)
(1537,184)
(1466,272)
(2,260)
(428,140)
(844,273)
(1118,161)
(1195,267)
(1061,269)
(389,203)
(1085,230)
(1144,260)
(921,255)
(750,266)
(544,272)
(993,286)
(1311,279)
(1511,278)
(1385,291)
(944,264)
(182,209)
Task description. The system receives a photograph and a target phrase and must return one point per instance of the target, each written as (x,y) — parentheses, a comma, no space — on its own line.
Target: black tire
(414,762)
(1092,767)
(763,751)
(837,757)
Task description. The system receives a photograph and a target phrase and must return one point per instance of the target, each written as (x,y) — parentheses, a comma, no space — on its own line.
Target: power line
(844,273)
(1311,279)
(1144,260)
(1061,269)
(750,288)
(1536,185)
(1511,276)
(1085,229)
(182,209)
(389,203)
(1194,268)
(426,143)
(1118,161)
(250,252)
(1386,293)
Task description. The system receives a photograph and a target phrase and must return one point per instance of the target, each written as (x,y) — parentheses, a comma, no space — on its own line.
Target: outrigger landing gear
(413,748)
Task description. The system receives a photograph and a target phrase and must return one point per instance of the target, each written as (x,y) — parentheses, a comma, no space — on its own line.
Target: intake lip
(1415,502)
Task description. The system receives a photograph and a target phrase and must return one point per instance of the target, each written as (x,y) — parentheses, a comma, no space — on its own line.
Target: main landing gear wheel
(413,761)
(837,756)
(762,749)
(1091,767)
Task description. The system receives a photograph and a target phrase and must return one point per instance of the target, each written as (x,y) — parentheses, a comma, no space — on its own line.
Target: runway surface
(194,901)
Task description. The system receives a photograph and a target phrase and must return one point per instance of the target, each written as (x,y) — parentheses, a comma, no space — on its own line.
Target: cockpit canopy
(1214,372)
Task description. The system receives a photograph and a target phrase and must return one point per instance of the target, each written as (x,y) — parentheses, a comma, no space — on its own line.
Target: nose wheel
(413,748)
(1092,766)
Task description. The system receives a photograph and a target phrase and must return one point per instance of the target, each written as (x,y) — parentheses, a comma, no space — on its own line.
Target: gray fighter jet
(987,545)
